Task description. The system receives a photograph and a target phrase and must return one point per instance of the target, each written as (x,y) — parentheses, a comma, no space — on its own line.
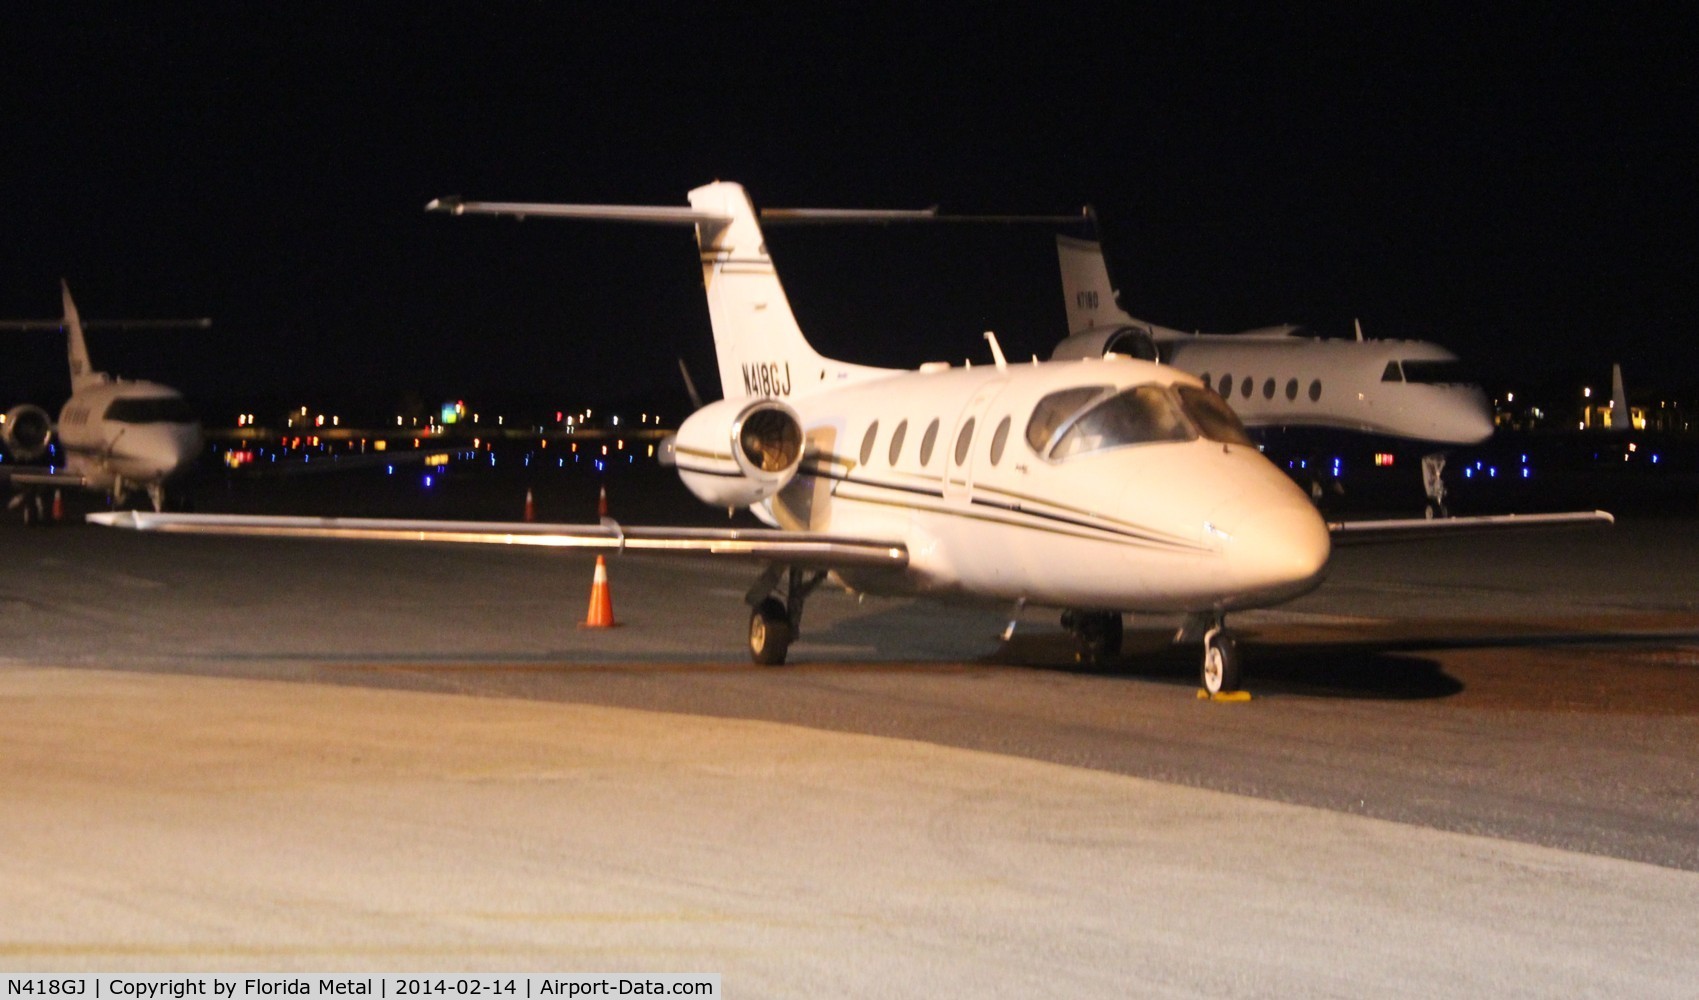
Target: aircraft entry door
(970,429)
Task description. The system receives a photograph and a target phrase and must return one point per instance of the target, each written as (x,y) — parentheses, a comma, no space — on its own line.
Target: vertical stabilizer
(1621,419)
(1086,289)
(82,373)
(759,346)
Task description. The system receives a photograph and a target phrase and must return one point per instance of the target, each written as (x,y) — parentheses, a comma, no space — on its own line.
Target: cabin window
(1315,391)
(999,438)
(1055,409)
(927,440)
(1226,389)
(1268,389)
(1435,372)
(1212,416)
(1141,415)
(1245,387)
(897,441)
(963,439)
(158,410)
(1393,373)
(867,442)
(1291,389)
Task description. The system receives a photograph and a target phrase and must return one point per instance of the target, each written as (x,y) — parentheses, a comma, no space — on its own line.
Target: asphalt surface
(1532,693)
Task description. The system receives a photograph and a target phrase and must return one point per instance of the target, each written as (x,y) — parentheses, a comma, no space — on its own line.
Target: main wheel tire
(1098,636)
(1222,668)
(769,633)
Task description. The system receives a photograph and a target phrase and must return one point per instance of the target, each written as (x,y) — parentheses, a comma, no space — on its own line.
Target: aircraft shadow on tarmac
(1380,668)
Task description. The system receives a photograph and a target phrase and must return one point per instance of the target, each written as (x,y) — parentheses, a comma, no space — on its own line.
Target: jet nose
(181,446)
(1470,421)
(1277,551)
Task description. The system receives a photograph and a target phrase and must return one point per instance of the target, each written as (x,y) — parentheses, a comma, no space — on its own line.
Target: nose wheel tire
(1222,666)
(769,633)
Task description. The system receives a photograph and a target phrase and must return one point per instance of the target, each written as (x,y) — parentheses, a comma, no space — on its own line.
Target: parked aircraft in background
(118,437)
(1277,377)
(1097,486)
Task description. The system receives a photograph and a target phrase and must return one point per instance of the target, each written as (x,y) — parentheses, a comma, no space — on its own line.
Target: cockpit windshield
(151,410)
(1056,409)
(1435,372)
(1144,414)
(1211,415)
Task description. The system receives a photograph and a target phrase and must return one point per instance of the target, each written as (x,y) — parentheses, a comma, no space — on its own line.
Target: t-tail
(1086,289)
(760,349)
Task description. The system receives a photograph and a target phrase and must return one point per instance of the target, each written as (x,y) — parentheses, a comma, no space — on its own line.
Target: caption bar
(224,986)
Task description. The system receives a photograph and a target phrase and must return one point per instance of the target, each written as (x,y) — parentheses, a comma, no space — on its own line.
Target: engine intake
(28,430)
(1131,341)
(738,452)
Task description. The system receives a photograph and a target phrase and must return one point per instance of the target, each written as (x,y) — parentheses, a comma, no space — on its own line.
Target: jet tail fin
(760,349)
(1090,298)
(82,372)
(1621,418)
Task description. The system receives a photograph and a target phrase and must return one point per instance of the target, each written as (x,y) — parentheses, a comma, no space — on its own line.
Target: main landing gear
(777,599)
(1097,636)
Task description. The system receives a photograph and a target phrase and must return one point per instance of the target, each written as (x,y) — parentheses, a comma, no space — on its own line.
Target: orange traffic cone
(601,613)
(530,507)
(602,503)
(58,505)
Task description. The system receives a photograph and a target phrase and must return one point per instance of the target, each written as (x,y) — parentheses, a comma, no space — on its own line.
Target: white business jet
(1276,377)
(118,436)
(1097,486)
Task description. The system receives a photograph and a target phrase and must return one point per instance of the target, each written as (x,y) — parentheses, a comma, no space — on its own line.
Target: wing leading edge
(1415,528)
(793,548)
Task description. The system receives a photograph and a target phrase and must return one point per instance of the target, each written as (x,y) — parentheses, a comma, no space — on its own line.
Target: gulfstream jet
(118,437)
(1096,486)
(1276,377)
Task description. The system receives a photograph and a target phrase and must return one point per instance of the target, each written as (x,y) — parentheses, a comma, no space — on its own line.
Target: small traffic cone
(601,613)
(58,505)
(530,507)
(602,502)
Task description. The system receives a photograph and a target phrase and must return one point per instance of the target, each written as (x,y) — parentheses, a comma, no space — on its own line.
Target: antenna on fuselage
(996,351)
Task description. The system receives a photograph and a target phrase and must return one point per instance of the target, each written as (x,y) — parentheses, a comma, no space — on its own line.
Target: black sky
(1518,186)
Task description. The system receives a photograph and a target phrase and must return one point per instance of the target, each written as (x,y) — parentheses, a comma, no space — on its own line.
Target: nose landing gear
(1223,669)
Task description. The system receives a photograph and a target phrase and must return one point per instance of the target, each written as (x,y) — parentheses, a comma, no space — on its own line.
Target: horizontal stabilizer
(880,216)
(662,214)
(1415,528)
(792,548)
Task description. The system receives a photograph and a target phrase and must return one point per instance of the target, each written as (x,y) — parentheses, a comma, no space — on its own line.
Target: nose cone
(1468,419)
(185,447)
(1275,553)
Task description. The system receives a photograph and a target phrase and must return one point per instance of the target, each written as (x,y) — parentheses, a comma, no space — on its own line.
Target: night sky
(1517,186)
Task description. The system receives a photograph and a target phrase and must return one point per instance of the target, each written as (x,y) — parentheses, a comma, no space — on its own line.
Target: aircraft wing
(41,475)
(1411,529)
(794,548)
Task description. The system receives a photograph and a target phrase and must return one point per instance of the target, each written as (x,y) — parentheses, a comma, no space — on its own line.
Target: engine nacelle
(28,430)
(738,452)
(1130,341)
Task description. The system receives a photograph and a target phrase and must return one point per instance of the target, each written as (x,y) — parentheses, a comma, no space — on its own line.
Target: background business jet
(1098,486)
(1411,390)
(117,436)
